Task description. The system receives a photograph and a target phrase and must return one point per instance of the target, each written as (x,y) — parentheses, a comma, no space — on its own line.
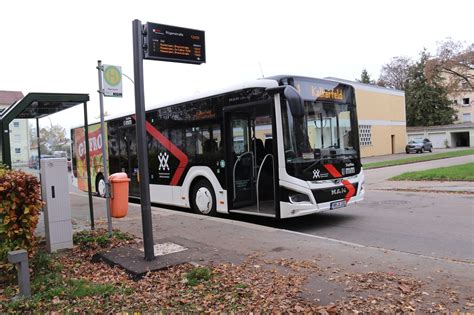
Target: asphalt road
(433,224)
(436,225)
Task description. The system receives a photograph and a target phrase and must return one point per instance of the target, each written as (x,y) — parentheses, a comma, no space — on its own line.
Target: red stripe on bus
(332,170)
(350,188)
(335,173)
(183,158)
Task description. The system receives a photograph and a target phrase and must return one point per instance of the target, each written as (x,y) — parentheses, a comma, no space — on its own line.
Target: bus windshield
(329,126)
(325,134)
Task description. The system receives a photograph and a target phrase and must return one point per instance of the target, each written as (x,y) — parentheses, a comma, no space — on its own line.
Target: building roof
(466,125)
(10,97)
(369,87)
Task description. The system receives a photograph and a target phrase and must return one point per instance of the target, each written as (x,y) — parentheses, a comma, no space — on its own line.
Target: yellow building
(382,119)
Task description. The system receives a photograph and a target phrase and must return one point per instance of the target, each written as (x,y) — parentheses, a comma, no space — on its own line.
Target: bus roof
(261,83)
(268,82)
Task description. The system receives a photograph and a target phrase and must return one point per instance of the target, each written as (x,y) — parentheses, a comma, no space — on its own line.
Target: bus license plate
(337,204)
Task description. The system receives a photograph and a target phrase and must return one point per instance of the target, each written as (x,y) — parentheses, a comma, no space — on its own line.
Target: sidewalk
(459,187)
(378,179)
(218,240)
(402,156)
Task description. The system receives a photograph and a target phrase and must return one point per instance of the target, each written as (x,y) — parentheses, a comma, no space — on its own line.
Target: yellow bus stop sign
(112,81)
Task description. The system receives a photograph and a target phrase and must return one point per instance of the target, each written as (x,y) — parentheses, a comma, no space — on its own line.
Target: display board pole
(88,165)
(104,151)
(142,149)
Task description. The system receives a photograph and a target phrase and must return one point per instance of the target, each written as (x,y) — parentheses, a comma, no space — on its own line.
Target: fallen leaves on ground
(255,285)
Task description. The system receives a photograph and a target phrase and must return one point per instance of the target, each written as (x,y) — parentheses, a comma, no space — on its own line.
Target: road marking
(377,248)
(434,191)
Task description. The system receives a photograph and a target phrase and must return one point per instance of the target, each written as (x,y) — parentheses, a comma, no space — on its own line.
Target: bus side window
(216,136)
(178,139)
(205,140)
(191,142)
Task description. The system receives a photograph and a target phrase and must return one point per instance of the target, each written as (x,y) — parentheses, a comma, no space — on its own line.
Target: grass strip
(463,172)
(420,158)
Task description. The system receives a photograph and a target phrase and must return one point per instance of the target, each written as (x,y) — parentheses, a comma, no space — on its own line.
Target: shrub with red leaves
(20,206)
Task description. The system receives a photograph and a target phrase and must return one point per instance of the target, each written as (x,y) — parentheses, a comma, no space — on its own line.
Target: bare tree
(395,73)
(53,138)
(455,63)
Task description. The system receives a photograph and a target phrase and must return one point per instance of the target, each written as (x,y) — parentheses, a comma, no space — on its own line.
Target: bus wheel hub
(204,200)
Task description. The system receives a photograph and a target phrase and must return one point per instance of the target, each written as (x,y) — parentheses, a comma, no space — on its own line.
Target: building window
(465,101)
(455,102)
(16,124)
(466,117)
(365,135)
(17,150)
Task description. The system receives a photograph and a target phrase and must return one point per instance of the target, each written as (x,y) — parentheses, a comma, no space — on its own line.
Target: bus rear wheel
(100,185)
(203,198)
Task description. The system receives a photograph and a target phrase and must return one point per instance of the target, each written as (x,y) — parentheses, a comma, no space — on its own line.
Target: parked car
(419,146)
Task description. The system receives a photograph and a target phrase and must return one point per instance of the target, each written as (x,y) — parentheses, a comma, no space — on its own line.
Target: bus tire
(100,185)
(203,198)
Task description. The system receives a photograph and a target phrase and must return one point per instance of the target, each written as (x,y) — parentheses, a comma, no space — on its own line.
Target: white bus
(278,147)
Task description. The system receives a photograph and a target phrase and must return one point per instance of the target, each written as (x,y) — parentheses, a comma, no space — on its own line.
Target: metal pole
(88,165)
(38,141)
(1,142)
(104,151)
(141,139)
(7,156)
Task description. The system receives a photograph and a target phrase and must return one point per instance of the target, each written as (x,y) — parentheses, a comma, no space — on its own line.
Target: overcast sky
(53,46)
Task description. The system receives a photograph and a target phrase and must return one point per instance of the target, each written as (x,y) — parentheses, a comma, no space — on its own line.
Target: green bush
(98,239)
(198,275)
(20,206)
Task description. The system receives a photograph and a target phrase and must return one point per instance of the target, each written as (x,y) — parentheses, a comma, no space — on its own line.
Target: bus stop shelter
(36,106)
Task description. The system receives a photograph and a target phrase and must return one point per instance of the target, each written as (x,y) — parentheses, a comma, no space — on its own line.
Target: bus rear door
(129,158)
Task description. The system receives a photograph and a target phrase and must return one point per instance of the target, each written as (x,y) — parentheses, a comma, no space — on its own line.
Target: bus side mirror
(295,101)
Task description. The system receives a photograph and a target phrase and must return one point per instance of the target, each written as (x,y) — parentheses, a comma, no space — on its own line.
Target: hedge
(20,206)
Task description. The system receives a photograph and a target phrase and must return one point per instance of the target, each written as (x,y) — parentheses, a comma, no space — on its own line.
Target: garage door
(437,139)
(412,136)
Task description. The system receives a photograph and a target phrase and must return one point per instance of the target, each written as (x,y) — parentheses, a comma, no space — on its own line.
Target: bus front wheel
(100,186)
(203,198)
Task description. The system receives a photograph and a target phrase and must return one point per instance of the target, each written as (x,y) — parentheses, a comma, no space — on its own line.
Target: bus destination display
(175,44)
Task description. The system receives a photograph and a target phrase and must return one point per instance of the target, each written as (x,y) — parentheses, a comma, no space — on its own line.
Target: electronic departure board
(176,44)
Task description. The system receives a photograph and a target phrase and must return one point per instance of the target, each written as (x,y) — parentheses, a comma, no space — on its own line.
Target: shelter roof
(37,105)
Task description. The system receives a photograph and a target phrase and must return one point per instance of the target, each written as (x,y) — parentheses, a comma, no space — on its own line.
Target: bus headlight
(299,198)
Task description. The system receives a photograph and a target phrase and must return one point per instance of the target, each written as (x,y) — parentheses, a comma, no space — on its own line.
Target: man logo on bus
(163,159)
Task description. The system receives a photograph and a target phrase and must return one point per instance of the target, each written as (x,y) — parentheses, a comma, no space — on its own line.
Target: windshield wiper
(316,162)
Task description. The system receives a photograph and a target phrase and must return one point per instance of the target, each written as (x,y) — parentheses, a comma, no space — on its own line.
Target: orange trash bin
(119,194)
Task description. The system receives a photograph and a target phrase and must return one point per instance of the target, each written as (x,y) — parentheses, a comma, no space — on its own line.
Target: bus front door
(242,160)
(250,155)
